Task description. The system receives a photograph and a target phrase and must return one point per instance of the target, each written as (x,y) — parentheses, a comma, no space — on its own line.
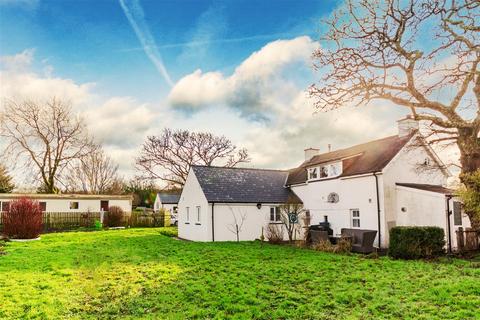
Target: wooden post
(460,239)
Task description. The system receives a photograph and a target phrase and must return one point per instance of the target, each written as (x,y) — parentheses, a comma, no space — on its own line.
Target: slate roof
(427,187)
(243,185)
(364,158)
(169,198)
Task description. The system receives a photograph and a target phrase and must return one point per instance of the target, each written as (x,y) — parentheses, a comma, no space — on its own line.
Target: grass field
(139,273)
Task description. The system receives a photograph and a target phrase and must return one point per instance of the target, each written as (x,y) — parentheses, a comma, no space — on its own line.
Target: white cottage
(72,202)
(169,202)
(215,199)
(394,181)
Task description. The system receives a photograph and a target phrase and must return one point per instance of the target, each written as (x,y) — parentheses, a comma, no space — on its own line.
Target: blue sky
(92,41)
(133,67)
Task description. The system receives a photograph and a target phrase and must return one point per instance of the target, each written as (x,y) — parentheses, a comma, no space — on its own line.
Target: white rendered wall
(354,193)
(84,205)
(255,220)
(406,168)
(424,208)
(191,197)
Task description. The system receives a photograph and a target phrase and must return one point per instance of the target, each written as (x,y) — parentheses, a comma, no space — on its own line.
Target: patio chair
(362,240)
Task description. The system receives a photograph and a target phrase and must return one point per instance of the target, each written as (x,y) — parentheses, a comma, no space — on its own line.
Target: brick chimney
(310,153)
(407,125)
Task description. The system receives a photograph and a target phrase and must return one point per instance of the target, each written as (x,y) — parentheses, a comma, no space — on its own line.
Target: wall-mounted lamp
(259,206)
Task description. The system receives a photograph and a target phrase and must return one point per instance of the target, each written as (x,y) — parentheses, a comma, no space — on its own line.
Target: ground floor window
(355,215)
(275,214)
(74,205)
(198,214)
(43,206)
(187,210)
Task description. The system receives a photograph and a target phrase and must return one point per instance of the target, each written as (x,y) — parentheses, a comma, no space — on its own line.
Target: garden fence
(64,221)
(468,239)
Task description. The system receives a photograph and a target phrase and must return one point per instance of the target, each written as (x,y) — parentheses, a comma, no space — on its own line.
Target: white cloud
(252,85)
(266,93)
(119,123)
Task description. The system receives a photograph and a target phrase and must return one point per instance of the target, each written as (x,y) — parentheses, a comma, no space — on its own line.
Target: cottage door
(104,205)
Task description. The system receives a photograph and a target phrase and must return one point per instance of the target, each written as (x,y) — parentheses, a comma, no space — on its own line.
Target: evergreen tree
(6,184)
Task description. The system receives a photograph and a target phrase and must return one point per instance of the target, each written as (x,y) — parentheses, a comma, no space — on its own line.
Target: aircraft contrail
(136,17)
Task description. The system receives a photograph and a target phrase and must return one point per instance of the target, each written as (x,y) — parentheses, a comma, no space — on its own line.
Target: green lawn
(140,273)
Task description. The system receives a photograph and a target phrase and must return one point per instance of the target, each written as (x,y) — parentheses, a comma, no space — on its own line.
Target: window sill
(187,222)
(275,222)
(198,224)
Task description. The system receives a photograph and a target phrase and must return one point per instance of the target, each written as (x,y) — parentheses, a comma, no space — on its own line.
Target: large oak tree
(423,55)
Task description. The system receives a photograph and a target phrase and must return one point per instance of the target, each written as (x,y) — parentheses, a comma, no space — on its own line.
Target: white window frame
(354,217)
(277,218)
(187,209)
(326,169)
(198,212)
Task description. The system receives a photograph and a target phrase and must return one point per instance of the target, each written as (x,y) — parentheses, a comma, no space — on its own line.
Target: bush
(23,219)
(274,233)
(343,246)
(115,217)
(97,225)
(416,242)
(169,232)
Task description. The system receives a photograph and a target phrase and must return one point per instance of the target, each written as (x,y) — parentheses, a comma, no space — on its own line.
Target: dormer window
(325,171)
(312,173)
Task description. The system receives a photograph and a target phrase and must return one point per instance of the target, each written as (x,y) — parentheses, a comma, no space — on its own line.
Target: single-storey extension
(216,200)
(72,202)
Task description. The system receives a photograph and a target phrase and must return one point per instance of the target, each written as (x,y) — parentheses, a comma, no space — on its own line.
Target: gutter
(378,210)
(449,213)
(213,221)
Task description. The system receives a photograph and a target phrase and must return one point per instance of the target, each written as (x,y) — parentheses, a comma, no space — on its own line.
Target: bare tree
(290,215)
(168,157)
(96,173)
(377,50)
(45,137)
(238,220)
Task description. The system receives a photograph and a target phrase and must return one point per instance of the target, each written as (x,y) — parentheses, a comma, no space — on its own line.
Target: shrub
(97,225)
(23,219)
(169,232)
(343,246)
(115,217)
(416,242)
(274,233)
(324,246)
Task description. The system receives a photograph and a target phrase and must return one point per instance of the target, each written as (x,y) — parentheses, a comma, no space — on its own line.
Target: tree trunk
(469,145)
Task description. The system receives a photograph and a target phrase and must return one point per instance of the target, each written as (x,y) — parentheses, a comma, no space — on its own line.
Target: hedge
(416,242)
